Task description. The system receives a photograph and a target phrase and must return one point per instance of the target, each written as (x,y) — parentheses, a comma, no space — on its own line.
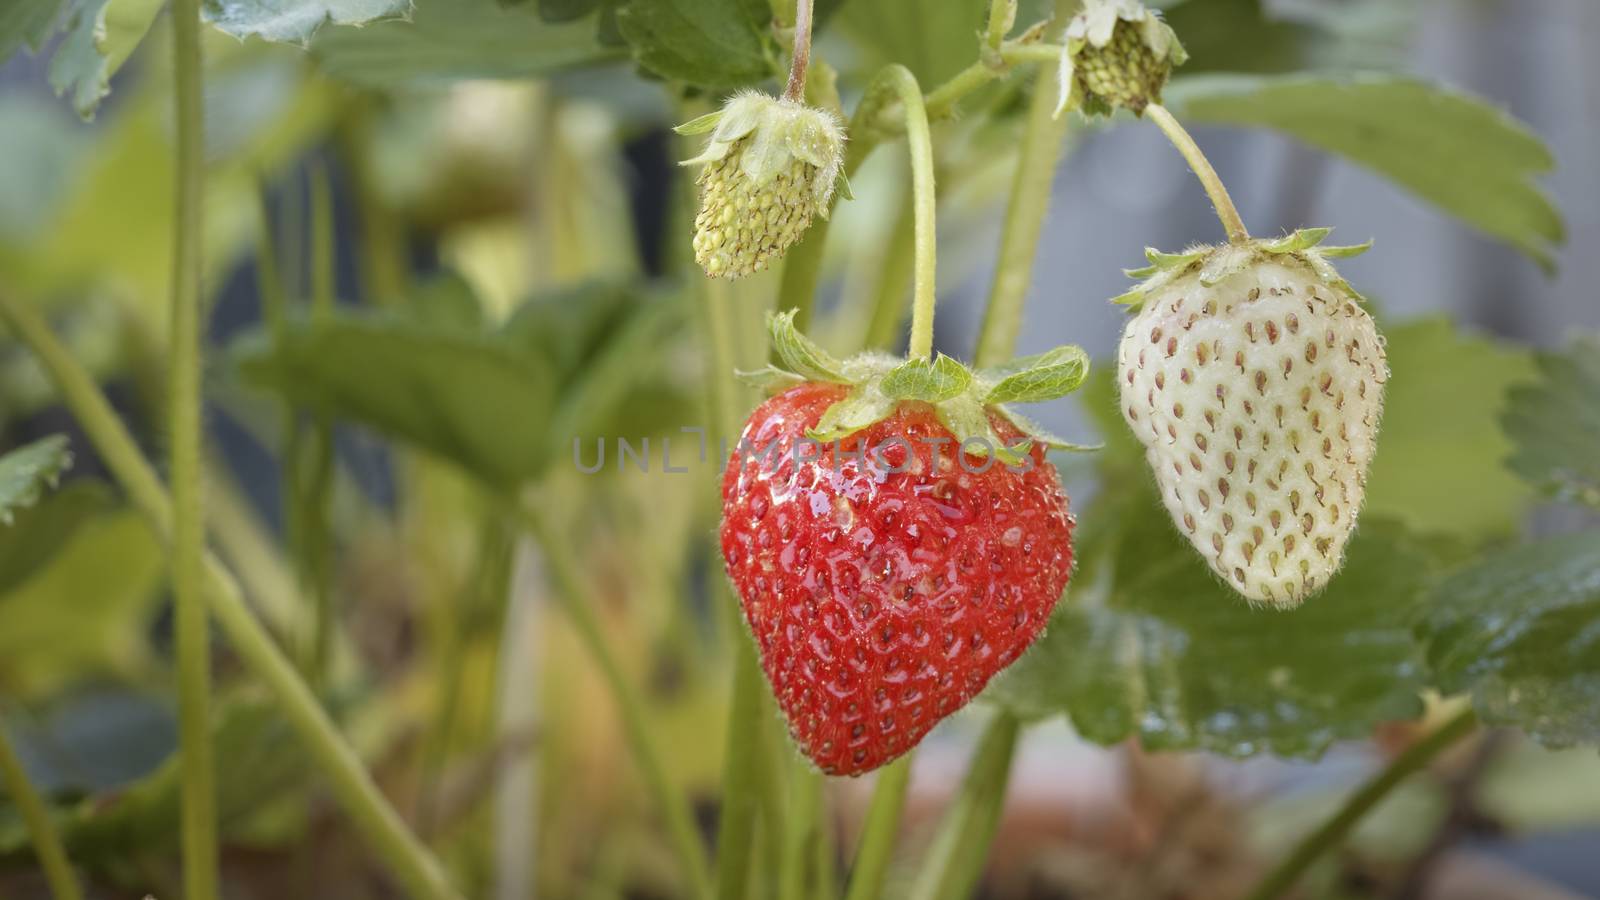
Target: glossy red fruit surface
(883,601)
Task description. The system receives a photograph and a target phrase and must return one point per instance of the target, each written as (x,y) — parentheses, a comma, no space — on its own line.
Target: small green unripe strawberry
(770,167)
(1254,379)
(1117,55)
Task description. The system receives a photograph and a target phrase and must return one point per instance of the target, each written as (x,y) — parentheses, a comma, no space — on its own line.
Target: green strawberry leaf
(468,398)
(1555,424)
(27,471)
(931,382)
(448,40)
(295,21)
(38,532)
(1463,155)
(100,35)
(1040,435)
(802,355)
(85,612)
(1440,457)
(1148,643)
(933,40)
(1047,376)
(26,23)
(715,44)
(1517,631)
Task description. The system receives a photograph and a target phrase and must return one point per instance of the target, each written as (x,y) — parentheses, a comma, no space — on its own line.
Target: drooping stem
(899,80)
(796,89)
(1202,169)
(578,601)
(369,811)
(955,860)
(881,829)
(1333,832)
(1025,211)
(190,626)
(46,841)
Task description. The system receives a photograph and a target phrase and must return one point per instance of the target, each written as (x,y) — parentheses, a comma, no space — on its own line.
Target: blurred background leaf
(1517,630)
(27,471)
(1555,423)
(704,43)
(1468,158)
(296,20)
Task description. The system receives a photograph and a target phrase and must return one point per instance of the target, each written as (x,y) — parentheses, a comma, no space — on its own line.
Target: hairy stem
(897,79)
(1333,832)
(1025,212)
(190,627)
(374,818)
(796,88)
(882,827)
(576,597)
(1202,170)
(955,860)
(1002,16)
(46,841)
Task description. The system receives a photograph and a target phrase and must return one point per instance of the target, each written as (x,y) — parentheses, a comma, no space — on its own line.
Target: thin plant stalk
(919,142)
(311,458)
(805,799)
(41,830)
(796,88)
(1332,833)
(955,860)
(1025,212)
(876,848)
(1202,169)
(190,627)
(575,596)
(369,811)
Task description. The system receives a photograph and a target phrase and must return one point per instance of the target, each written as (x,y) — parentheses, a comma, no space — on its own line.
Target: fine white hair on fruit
(1257,399)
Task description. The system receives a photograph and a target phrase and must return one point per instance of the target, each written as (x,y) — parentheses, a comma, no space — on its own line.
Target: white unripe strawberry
(1254,379)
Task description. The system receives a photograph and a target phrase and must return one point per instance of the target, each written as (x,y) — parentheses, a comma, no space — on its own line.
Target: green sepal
(801,354)
(967,419)
(932,382)
(1040,435)
(863,407)
(700,124)
(1035,379)
(768,377)
(1219,263)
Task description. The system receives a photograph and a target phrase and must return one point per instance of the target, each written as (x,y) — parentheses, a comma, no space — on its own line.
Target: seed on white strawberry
(770,167)
(1254,379)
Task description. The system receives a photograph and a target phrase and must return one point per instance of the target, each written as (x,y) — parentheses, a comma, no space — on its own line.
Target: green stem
(1002,15)
(311,452)
(1202,169)
(46,841)
(955,860)
(190,627)
(805,797)
(894,274)
(578,601)
(919,142)
(352,786)
(1019,237)
(878,835)
(384,273)
(1333,832)
(942,100)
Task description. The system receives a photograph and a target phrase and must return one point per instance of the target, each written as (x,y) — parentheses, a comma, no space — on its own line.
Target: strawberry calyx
(960,396)
(1216,263)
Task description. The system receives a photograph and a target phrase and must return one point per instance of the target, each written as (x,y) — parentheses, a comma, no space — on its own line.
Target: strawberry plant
(468,448)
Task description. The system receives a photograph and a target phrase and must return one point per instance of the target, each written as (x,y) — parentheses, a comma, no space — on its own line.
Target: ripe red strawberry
(883,601)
